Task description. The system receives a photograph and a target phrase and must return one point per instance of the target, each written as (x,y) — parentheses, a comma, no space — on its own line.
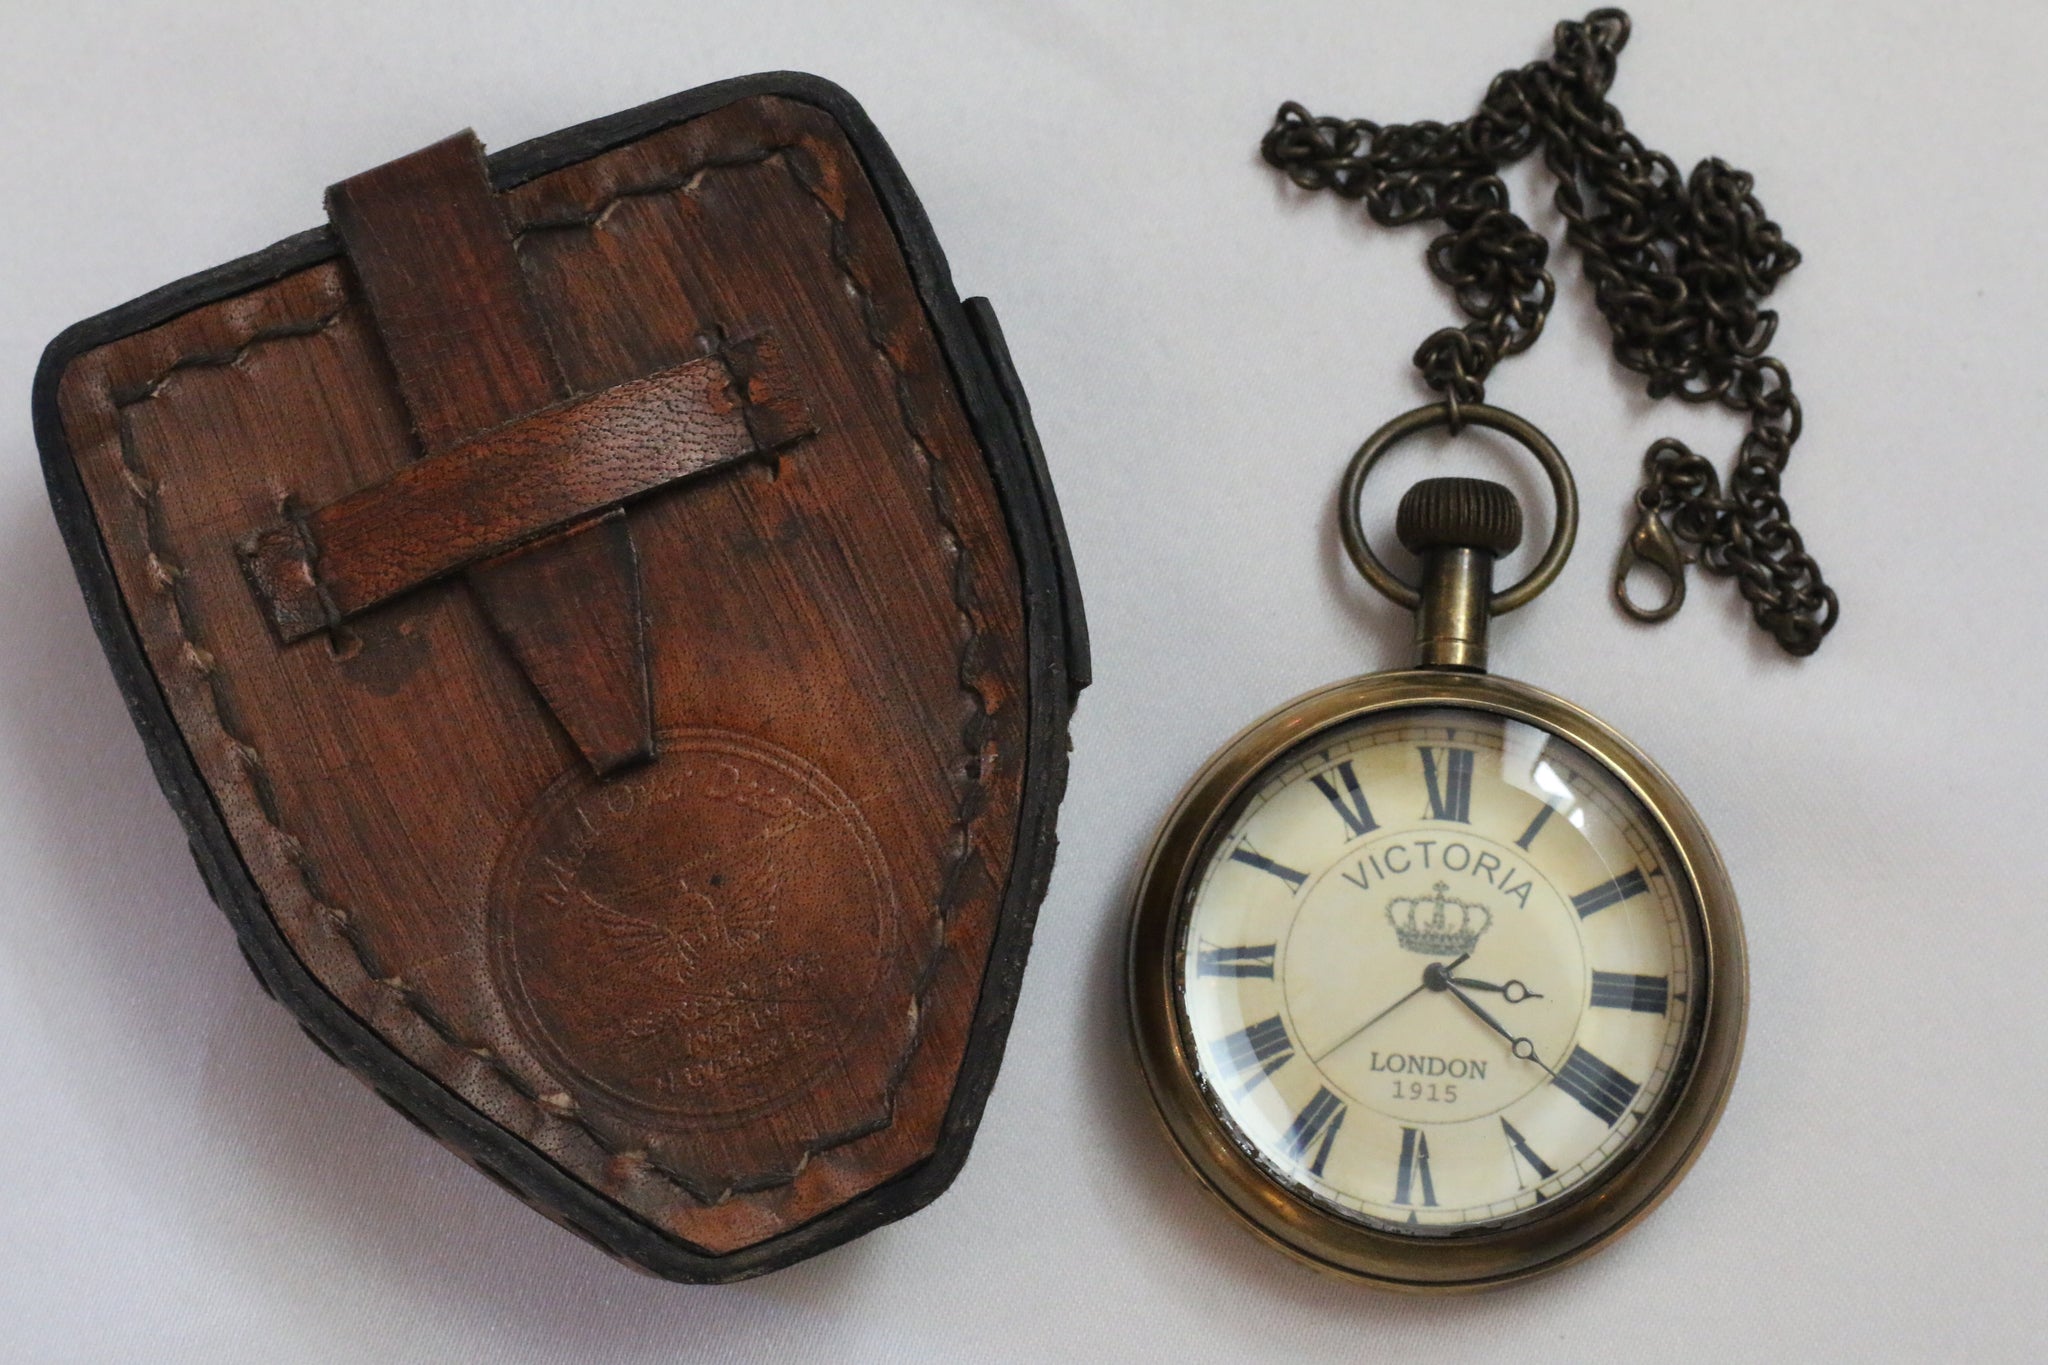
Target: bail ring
(1523,433)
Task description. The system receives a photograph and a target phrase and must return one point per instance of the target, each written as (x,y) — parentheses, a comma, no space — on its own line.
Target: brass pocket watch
(1436,979)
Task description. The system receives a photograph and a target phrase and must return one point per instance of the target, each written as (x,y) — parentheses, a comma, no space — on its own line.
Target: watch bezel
(1612,1200)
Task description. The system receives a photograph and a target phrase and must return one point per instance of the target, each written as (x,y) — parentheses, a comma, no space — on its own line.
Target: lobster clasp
(1652,544)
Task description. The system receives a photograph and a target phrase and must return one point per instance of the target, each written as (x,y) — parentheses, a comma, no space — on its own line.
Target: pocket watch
(1436,979)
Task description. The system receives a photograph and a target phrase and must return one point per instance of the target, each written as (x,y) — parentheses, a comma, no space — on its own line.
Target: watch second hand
(1383,1013)
(1515,1045)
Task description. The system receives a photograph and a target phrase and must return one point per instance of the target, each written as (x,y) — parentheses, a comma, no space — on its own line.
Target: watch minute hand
(1521,1047)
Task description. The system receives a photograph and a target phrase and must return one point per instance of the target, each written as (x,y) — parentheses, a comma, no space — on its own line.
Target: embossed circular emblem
(699,939)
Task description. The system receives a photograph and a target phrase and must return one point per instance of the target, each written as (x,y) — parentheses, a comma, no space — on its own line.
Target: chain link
(1678,265)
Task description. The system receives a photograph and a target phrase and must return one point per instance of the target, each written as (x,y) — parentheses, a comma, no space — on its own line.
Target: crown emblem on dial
(1438,925)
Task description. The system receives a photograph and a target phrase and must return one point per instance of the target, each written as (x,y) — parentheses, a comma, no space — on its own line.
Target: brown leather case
(603,620)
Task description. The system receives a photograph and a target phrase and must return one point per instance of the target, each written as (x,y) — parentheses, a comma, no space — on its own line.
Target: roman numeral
(1414,1170)
(1543,815)
(1262,1048)
(1620,991)
(1350,802)
(1244,854)
(1316,1126)
(1604,1091)
(1520,1147)
(1254,960)
(1448,774)
(1629,883)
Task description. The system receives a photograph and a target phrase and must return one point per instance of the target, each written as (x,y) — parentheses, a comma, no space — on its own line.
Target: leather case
(602,617)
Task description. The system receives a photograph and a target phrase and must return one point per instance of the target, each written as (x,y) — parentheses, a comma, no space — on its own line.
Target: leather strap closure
(521,483)
(515,484)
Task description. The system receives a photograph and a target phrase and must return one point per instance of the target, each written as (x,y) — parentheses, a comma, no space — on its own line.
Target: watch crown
(1475,514)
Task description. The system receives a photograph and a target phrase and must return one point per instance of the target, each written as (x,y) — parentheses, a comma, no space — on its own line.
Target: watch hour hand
(1520,1046)
(1514,991)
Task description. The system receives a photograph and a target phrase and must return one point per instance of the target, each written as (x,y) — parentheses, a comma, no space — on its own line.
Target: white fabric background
(182,1177)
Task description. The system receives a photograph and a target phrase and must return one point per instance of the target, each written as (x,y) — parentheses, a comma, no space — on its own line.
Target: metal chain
(1678,265)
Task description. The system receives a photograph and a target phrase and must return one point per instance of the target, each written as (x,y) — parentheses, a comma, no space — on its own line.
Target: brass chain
(1678,265)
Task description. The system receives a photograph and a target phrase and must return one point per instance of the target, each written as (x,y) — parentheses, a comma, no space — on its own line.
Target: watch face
(1436,972)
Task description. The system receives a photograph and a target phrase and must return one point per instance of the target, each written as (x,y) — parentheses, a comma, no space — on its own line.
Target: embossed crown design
(1438,925)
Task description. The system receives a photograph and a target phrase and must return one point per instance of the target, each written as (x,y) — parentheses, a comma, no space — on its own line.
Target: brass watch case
(1613,1200)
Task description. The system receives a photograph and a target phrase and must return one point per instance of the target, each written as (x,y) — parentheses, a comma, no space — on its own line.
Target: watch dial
(1438,970)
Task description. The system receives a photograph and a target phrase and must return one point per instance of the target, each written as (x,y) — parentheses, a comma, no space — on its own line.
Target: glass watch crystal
(1435,972)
